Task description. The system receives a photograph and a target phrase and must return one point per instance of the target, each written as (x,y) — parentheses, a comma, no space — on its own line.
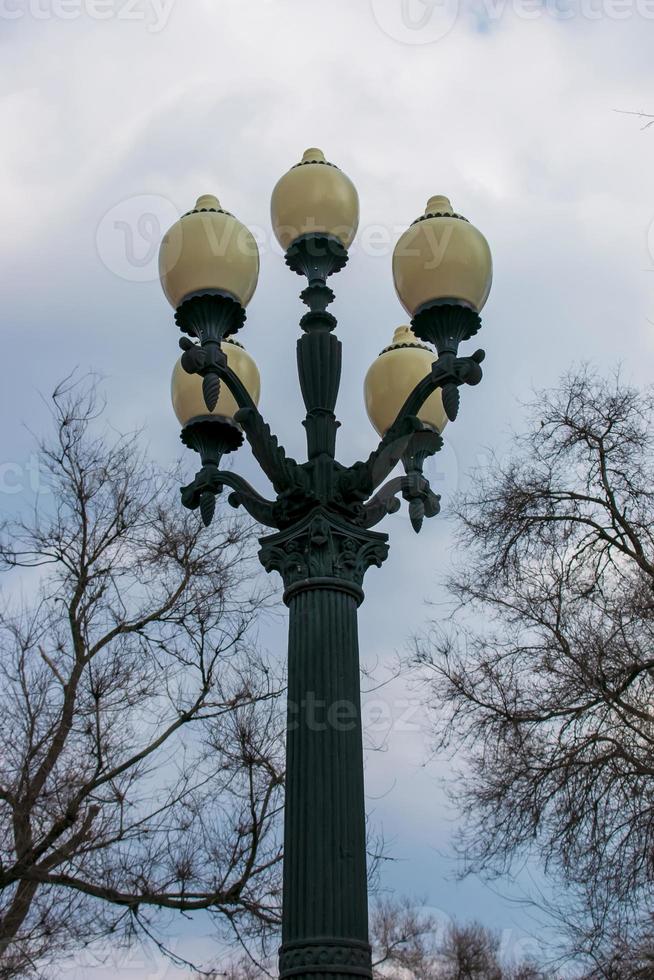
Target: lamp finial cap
(207,202)
(404,335)
(439,204)
(313,155)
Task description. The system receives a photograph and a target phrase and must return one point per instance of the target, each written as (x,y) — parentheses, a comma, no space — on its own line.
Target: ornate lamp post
(323,511)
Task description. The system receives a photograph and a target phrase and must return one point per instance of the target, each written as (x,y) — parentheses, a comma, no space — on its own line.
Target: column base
(333,958)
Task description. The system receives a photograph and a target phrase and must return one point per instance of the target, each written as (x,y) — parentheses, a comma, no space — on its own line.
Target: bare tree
(471,953)
(545,674)
(411,944)
(141,768)
(404,938)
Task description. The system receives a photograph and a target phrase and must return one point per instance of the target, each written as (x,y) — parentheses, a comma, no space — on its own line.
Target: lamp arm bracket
(241,395)
(204,481)
(384,502)
(244,495)
(362,478)
(422,500)
(415,489)
(448,372)
(283,472)
(210,362)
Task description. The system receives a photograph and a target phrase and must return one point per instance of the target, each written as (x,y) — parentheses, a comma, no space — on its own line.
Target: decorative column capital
(323,551)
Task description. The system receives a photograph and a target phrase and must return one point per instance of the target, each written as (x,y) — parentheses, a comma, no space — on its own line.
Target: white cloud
(512,117)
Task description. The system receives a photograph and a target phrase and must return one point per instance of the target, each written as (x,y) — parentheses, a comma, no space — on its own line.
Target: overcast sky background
(115,115)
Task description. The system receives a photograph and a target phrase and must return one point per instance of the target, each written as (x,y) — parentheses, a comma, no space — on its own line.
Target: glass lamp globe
(208,251)
(392,377)
(314,196)
(442,257)
(186,389)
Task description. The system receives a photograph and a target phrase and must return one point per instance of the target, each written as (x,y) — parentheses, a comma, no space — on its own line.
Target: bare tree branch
(142,762)
(545,673)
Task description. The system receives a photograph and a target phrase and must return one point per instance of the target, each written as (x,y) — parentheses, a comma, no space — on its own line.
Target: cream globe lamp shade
(186,389)
(442,257)
(208,250)
(392,377)
(314,196)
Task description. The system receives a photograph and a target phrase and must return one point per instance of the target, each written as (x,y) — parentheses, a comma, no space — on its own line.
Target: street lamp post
(323,512)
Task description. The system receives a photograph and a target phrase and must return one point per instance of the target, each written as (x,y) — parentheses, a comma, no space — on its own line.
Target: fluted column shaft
(325,889)
(323,560)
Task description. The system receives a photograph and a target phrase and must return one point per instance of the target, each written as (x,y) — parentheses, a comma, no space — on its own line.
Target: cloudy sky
(116,114)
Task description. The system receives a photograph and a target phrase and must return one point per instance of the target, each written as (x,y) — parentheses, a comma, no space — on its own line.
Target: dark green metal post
(325,910)
(325,817)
